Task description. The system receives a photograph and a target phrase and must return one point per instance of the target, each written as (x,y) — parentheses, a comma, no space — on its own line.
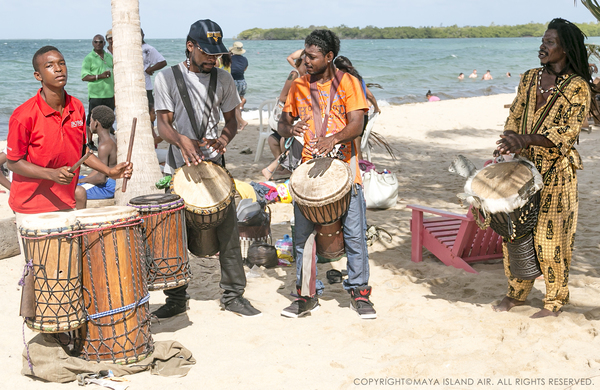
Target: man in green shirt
(96,70)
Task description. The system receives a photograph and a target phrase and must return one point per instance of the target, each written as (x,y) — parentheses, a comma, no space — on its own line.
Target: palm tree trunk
(131,102)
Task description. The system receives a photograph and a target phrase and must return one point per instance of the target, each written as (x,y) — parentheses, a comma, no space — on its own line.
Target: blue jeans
(355,240)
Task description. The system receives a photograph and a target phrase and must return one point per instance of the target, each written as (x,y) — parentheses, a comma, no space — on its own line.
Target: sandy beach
(435,326)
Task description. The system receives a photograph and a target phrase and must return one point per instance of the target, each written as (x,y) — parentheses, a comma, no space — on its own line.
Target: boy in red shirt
(46,136)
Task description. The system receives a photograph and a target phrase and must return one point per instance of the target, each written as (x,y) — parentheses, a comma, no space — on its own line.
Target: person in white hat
(239,64)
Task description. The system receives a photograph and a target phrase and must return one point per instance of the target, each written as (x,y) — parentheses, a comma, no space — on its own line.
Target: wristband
(96,77)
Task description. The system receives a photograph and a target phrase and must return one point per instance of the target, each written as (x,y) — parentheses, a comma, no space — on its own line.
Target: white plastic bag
(380,189)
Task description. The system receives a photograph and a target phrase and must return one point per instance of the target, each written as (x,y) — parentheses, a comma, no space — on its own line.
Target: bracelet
(96,77)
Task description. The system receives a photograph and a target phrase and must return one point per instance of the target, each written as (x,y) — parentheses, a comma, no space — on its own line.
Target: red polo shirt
(44,137)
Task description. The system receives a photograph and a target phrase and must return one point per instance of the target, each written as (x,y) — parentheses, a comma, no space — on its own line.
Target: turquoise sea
(405,69)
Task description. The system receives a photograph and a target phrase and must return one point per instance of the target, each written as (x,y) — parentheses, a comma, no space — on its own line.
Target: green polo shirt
(93,65)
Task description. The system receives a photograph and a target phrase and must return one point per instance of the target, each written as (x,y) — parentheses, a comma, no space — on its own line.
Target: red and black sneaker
(303,305)
(361,304)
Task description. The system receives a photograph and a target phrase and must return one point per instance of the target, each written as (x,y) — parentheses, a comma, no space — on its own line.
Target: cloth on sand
(51,362)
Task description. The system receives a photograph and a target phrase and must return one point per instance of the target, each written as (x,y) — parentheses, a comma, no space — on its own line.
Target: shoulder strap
(321,125)
(187,103)
(553,99)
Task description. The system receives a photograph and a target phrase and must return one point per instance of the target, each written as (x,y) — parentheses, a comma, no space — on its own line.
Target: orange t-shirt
(349,97)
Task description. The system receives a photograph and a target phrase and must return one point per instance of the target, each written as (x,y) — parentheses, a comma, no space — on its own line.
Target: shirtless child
(97,185)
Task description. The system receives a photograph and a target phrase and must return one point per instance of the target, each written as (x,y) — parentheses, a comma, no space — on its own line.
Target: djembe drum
(52,298)
(322,189)
(114,277)
(208,192)
(165,240)
(507,195)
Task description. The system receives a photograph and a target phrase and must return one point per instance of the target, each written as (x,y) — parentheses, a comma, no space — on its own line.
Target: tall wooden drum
(114,277)
(165,240)
(52,253)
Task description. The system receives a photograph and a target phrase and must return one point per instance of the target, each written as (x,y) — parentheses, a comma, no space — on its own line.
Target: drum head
(154,199)
(104,215)
(499,181)
(47,223)
(320,181)
(204,185)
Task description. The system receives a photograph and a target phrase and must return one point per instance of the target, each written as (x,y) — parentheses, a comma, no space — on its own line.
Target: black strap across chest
(187,103)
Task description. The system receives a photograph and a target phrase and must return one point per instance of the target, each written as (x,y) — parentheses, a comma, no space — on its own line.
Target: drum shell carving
(330,241)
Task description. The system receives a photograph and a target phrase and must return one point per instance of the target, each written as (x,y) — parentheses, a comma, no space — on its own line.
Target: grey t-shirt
(167,97)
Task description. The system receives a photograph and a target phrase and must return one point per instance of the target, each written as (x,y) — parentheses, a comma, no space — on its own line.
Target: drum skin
(51,243)
(165,240)
(508,194)
(321,189)
(207,189)
(114,278)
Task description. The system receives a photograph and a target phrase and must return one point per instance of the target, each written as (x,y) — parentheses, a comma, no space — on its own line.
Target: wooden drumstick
(130,150)
(81,161)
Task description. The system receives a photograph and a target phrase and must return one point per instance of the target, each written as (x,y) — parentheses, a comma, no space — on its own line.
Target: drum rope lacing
(165,207)
(82,232)
(161,212)
(120,309)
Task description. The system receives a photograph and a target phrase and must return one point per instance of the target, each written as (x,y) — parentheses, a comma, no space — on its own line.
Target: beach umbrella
(131,102)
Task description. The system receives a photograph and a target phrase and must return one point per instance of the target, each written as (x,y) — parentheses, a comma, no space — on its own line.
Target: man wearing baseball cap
(195,136)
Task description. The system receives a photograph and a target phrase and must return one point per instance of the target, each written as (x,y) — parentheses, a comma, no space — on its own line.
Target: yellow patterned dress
(560,121)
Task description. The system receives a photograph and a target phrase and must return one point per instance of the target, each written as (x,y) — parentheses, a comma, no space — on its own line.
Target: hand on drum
(190,149)
(322,146)
(218,145)
(61,175)
(121,171)
(510,142)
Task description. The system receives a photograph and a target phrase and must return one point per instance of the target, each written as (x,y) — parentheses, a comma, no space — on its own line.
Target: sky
(82,19)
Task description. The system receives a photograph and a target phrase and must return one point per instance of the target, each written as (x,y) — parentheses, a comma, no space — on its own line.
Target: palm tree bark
(131,102)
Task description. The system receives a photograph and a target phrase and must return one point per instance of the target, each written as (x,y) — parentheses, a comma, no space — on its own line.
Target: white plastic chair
(364,143)
(264,131)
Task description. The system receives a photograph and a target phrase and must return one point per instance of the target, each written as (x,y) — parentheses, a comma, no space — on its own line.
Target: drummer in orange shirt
(345,123)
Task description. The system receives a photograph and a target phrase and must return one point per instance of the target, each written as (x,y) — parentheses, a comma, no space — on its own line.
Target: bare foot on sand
(506,304)
(545,313)
(267,173)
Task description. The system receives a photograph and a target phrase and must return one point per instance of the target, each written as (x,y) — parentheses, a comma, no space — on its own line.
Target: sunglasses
(98,41)
(215,56)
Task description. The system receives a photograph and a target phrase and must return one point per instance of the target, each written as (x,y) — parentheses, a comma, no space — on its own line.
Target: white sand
(435,322)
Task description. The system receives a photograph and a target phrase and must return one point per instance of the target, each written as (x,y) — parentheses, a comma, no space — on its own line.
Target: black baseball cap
(209,36)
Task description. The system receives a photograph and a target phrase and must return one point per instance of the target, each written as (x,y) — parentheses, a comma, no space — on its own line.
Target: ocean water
(405,69)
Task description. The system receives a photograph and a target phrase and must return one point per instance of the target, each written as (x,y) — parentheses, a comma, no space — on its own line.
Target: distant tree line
(372,32)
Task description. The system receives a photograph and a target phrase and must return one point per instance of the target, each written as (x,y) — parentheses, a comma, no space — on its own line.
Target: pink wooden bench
(455,239)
